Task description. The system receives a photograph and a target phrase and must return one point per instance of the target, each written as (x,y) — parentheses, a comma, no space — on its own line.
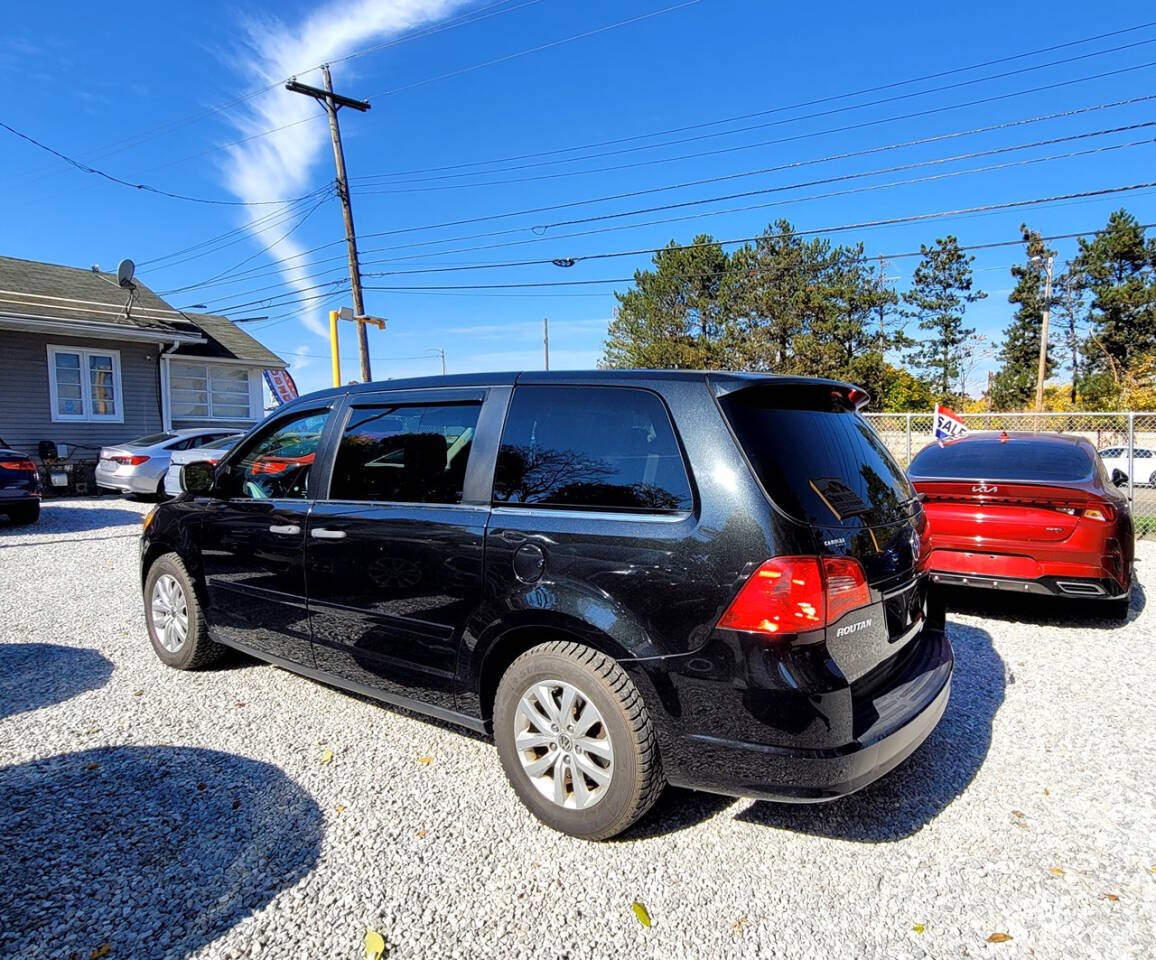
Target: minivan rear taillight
(795,594)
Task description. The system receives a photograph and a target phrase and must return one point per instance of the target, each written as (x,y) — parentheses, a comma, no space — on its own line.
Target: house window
(84,384)
(210,391)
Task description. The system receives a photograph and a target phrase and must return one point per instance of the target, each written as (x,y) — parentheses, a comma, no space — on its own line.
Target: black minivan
(628,578)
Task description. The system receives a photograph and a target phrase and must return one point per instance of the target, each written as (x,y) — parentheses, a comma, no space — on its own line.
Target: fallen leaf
(999,938)
(741,922)
(236,804)
(1058,871)
(1018,813)
(340,808)
(327,755)
(92,766)
(239,703)
(201,786)
(102,951)
(421,834)
(640,911)
(425,761)
(374,945)
(138,693)
(917,927)
(1046,793)
(1111,897)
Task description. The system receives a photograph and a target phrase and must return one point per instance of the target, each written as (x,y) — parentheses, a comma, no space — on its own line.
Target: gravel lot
(176,815)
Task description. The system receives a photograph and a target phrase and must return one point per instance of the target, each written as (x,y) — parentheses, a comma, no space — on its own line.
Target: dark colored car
(1029,512)
(19,486)
(628,578)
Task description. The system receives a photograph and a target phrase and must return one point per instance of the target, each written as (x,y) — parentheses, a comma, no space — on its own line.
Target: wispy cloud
(285,163)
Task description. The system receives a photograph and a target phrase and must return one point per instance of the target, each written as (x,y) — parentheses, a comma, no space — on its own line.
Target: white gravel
(189,815)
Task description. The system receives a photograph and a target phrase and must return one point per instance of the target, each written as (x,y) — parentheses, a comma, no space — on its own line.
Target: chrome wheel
(563,744)
(170,613)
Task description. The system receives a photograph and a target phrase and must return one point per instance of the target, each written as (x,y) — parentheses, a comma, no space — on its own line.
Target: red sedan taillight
(795,594)
(133,461)
(25,465)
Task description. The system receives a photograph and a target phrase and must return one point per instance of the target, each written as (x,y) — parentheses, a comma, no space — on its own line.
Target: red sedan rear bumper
(1075,575)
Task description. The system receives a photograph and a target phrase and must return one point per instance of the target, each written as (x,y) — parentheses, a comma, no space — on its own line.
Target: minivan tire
(196,650)
(636,779)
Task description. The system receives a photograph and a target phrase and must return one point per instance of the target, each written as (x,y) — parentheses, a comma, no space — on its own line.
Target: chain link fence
(1126,441)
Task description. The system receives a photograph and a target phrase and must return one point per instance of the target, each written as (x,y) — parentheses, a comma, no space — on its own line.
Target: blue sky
(161,93)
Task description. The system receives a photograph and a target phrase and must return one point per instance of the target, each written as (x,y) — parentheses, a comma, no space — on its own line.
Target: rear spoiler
(793,392)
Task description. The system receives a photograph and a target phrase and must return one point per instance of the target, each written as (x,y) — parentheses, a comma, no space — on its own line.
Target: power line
(980,101)
(781,188)
(800,104)
(538,49)
(144,186)
(838,228)
(265,249)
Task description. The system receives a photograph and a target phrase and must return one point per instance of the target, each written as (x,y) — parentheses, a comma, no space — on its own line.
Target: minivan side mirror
(1119,477)
(198,478)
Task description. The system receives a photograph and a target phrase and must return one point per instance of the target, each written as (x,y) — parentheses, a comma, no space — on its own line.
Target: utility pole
(1044,337)
(546,339)
(442,351)
(332,103)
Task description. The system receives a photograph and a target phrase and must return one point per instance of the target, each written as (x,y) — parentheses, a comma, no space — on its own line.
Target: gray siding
(26,408)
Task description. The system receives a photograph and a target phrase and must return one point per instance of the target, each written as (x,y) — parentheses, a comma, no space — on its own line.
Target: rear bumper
(1104,588)
(13,497)
(888,726)
(1068,575)
(138,481)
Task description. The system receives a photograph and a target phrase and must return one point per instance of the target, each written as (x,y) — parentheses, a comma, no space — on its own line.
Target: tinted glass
(983,459)
(413,454)
(595,447)
(277,464)
(821,465)
(151,439)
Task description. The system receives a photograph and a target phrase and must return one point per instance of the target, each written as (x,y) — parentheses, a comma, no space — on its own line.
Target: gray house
(85,362)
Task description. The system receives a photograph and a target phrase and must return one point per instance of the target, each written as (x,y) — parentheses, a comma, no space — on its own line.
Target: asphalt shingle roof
(49,291)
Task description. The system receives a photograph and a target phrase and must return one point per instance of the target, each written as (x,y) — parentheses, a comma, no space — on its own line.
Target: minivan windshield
(824,465)
(990,458)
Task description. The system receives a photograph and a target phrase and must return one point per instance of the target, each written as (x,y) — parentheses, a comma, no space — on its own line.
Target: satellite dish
(125,272)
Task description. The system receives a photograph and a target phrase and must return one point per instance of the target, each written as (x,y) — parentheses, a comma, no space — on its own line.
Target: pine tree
(1117,268)
(674,316)
(1014,385)
(941,289)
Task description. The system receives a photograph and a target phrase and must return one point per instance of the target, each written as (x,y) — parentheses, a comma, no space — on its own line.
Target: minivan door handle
(288,529)
(321,533)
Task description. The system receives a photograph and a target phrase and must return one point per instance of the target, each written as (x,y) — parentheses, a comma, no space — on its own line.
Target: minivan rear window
(599,448)
(819,463)
(981,458)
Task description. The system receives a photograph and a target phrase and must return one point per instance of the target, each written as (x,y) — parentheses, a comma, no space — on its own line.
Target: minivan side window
(602,448)
(405,454)
(276,466)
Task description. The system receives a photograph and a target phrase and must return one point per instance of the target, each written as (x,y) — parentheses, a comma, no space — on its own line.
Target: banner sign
(948,425)
(281,385)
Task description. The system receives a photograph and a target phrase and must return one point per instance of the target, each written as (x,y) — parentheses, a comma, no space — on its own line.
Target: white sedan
(138,467)
(211,452)
(1144,459)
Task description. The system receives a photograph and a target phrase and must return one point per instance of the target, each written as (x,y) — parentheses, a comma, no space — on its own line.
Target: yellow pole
(333,348)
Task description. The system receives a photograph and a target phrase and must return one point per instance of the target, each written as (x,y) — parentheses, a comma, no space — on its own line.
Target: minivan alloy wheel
(563,744)
(170,612)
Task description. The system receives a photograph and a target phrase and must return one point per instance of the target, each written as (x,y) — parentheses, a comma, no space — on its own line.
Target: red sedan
(1026,512)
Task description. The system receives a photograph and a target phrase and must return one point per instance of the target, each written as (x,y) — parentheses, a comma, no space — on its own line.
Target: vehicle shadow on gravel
(58,518)
(155,851)
(1040,610)
(34,675)
(899,804)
